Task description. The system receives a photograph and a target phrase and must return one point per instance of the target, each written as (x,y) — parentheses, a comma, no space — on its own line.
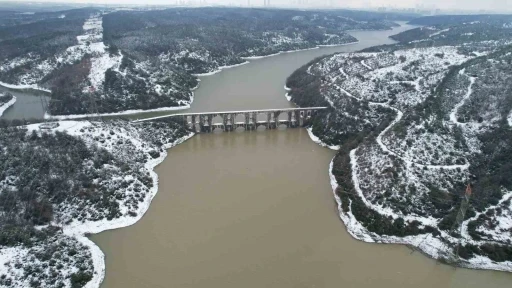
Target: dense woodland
(220,36)
(153,54)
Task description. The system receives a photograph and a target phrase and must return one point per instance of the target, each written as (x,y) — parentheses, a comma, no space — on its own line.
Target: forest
(54,179)
(104,61)
(220,36)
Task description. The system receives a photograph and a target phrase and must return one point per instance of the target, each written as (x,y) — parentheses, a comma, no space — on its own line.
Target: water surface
(255,209)
(28,104)
(260,84)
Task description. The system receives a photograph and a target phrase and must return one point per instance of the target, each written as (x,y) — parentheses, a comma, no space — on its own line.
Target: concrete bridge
(250,119)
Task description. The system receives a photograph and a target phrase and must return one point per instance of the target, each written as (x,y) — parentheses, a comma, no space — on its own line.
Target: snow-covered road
(454,112)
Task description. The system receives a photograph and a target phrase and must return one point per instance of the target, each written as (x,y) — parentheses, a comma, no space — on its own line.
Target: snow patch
(100,65)
(439,32)
(319,142)
(220,69)
(127,112)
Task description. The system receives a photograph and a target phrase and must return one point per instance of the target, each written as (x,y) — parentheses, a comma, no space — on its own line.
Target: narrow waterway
(255,209)
(259,84)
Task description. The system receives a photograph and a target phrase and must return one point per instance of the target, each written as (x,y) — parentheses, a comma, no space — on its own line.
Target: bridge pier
(276,119)
(203,122)
(247,120)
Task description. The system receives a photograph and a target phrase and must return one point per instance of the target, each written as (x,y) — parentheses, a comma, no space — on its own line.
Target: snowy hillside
(414,127)
(91,176)
(106,62)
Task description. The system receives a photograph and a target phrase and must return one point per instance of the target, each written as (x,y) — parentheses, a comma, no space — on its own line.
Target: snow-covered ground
(127,112)
(24,86)
(129,133)
(453,114)
(4,106)
(220,69)
(89,43)
(102,60)
(428,244)
(319,142)
(393,173)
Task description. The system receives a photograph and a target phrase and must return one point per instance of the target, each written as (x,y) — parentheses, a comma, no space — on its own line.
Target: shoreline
(427,244)
(122,113)
(298,50)
(319,142)
(163,109)
(6,106)
(220,69)
(24,87)
(358,232)
(80,231)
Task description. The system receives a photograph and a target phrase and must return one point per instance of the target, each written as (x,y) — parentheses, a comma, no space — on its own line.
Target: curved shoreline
(6,106)
(427,244)
(80,230)
(299,50)
(357,231)
(24,87)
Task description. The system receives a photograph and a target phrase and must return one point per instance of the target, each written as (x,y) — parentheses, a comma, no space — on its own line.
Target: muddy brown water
(255,209)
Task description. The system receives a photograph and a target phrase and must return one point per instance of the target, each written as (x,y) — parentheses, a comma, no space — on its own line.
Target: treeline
(460,19)
(223,35)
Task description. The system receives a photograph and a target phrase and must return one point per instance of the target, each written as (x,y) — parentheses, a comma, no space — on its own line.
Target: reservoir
(256,209)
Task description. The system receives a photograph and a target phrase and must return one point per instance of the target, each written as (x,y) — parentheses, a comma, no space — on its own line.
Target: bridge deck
(233,112)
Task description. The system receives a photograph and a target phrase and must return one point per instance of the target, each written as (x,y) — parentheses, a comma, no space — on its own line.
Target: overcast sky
(497,5)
